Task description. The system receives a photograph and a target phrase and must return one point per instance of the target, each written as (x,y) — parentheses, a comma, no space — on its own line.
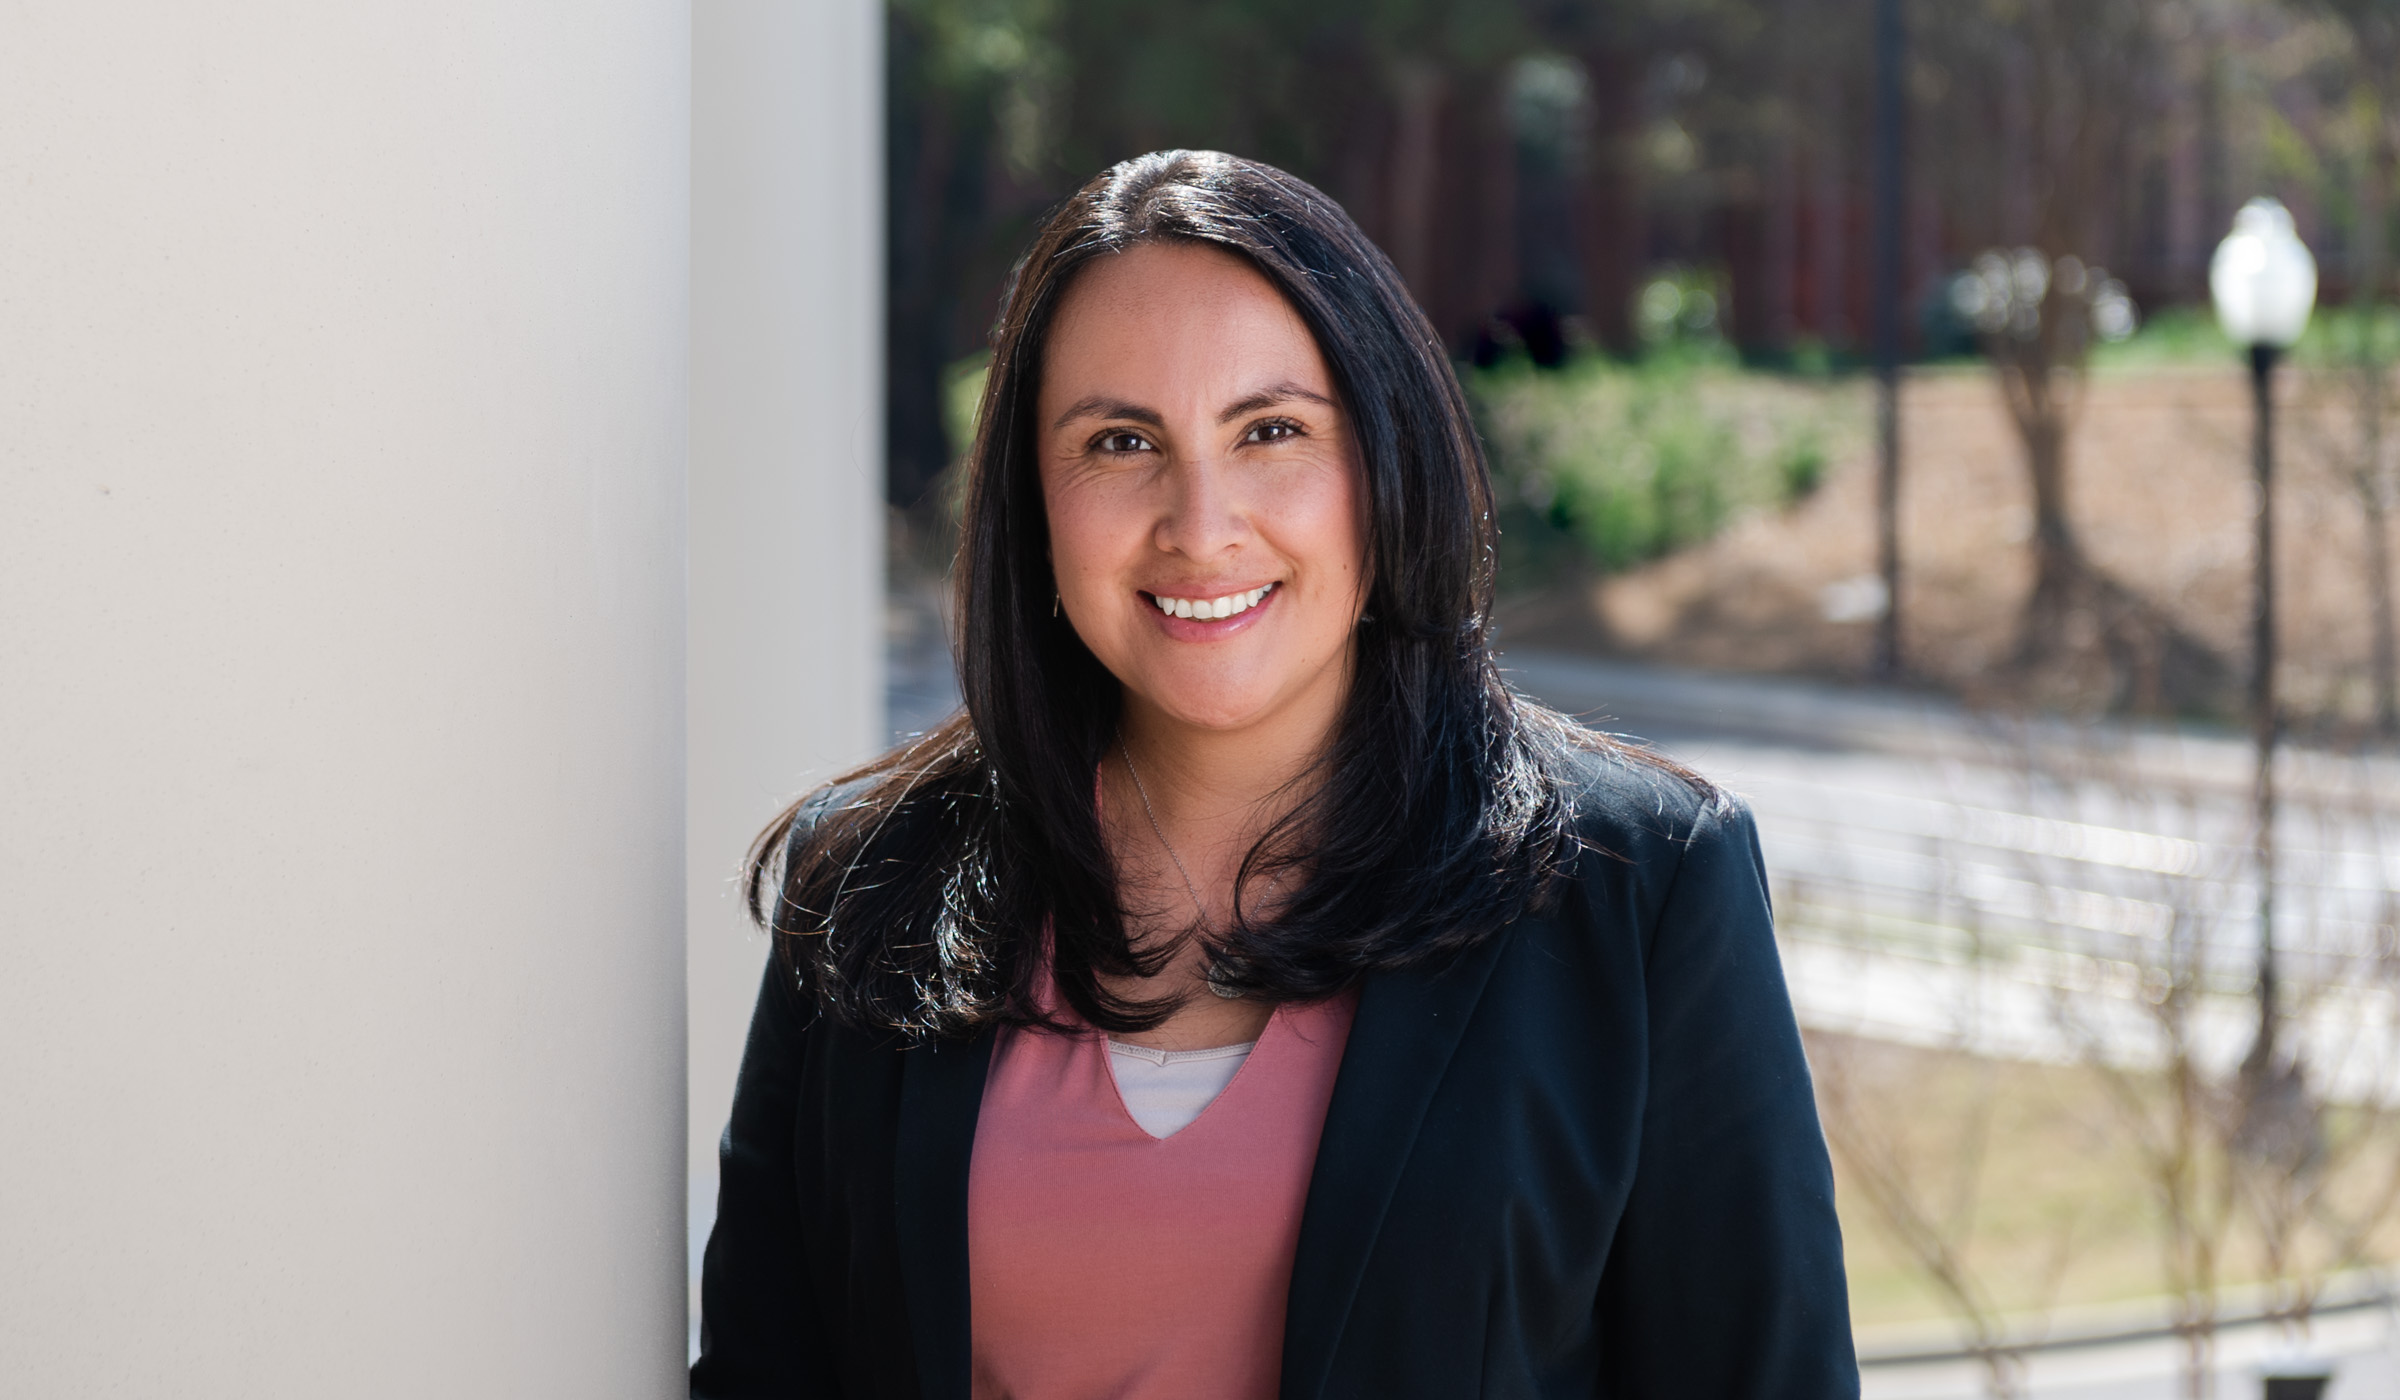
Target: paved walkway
(1947,878)
(2357,1346)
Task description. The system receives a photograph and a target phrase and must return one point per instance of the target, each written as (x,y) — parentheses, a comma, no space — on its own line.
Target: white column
(342,429)
(786,679)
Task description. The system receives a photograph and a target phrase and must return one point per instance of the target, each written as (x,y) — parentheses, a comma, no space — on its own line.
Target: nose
(1205,518)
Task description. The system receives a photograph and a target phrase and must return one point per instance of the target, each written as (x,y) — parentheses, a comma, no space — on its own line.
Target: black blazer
(1581,1160)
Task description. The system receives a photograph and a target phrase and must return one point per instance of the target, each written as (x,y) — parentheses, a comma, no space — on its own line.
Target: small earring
(1054,602)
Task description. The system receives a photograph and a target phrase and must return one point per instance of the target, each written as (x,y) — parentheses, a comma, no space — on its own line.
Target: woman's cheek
(1329,533)
(1073,556)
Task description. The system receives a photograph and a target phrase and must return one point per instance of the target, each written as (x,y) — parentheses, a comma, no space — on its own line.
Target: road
(2014,886)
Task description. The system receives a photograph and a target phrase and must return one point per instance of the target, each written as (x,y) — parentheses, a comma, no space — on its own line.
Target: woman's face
(1206,513)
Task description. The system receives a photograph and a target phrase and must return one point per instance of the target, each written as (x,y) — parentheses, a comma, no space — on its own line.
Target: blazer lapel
(1407,1025)
(941,1091)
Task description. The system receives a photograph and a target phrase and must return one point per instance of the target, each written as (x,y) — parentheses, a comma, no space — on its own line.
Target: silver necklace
(1213,974)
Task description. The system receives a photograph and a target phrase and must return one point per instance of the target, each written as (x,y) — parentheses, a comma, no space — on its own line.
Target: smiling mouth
(1209,609)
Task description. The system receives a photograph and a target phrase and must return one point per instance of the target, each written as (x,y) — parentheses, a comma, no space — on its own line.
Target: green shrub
(1609,465)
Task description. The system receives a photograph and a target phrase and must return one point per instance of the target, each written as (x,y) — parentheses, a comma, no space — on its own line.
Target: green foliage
(1809,357)
(2352,336)
(2178,335)
(1800,463)
(2188,335)
(1681,306)
(999,56)
(1110,78)
(962,401)
(1604,465)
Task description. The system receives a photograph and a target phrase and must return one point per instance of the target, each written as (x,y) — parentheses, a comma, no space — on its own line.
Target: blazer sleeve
(1725,1278)
(760,1333)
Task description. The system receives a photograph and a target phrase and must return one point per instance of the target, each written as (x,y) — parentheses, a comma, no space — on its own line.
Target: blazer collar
(941,1093)
(1407,1026)
(1401,1040)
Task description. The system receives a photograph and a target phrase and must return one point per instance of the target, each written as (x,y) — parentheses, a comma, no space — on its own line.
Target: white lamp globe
(2262,279)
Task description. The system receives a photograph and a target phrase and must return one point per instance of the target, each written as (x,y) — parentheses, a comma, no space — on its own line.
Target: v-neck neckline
(1116,1090)
(1406,1025)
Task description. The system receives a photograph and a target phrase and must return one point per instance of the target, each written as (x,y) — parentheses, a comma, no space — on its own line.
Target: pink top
(1105,1262)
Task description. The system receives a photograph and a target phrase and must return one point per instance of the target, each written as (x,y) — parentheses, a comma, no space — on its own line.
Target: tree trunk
(1473,252)
(1829,241)
(2087,640)
(934,198)
(2017,198)
(1615,233)
(1416,166)
(1782,251)
(2187,245)
(2058,622)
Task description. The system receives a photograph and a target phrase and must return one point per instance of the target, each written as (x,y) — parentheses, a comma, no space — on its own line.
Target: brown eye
(1122,441)
(1273,430)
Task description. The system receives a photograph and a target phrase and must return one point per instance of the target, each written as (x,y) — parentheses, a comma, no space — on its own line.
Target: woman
(1247,995)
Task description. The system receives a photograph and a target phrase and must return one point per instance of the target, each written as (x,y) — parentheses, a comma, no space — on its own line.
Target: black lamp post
(2264,284)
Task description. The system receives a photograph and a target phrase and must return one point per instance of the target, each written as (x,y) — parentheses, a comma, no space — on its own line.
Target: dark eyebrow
(1097,407)
(1269,397)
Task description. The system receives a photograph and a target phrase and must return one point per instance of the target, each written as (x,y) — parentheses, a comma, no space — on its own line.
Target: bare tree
(2308,1173)
(2351,420)
(2321,1186)
(2085,637)
(2130,1002)
(2365,355)
(1917,1150)
(2061,79)
(1928,1213)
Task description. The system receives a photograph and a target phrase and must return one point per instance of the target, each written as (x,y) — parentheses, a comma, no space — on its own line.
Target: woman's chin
(1218,708)
(1223,720)
(1231,693)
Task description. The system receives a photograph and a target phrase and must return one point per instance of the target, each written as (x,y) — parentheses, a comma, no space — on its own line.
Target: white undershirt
(1165,1090)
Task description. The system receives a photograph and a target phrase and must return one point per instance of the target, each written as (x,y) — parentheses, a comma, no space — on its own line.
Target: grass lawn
(2029,1173)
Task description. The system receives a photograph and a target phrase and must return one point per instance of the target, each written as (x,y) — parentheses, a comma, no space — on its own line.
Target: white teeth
(1212,608)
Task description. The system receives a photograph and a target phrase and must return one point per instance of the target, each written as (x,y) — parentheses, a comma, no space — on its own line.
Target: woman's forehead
(1177,316)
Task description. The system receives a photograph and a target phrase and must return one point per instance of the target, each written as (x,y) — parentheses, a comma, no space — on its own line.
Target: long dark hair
(912,895)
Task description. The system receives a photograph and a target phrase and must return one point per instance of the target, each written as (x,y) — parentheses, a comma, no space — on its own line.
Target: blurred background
(1865,434)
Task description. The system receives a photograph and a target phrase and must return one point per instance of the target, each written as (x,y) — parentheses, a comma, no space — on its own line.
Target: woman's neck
(1205,780)
(1182,807)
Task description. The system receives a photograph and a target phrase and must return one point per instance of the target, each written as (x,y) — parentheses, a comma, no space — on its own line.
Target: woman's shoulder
(861,809)
(841,795)
(1661,853)
(1640,806)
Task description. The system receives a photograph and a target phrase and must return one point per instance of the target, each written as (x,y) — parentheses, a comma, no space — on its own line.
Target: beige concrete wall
(342,434)
(786,680)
